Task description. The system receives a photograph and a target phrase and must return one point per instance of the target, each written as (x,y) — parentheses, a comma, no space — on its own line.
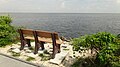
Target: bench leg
(28,42)
(42,45)
(22,44)
(54,51)
(58,47)
(36,48)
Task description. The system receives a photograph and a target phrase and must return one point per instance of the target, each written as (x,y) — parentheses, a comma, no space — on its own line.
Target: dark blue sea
(68,24)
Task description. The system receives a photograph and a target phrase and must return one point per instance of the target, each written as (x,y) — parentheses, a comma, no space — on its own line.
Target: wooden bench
(40,38)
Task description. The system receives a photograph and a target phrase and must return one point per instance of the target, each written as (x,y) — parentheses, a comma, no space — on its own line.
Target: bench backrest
(46,34)
(26,32)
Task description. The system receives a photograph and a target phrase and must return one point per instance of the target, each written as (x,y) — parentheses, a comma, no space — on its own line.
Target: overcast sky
(61,6)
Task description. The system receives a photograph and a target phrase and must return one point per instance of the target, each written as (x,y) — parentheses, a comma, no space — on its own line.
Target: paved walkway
(9,62)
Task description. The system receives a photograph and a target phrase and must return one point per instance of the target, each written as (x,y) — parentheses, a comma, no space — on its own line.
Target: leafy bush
(6,19)
(97,41)
(7,32)
(109,56)
(107,44)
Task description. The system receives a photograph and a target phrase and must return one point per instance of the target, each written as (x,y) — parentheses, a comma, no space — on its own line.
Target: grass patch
(74,52)
(31,48)
(41,55)
(66,49)
(44,58)
(46,52)
(15,54)
(30,59)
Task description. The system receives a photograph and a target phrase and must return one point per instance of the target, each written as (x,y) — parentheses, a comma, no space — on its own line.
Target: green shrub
(7,32)
(6,19)
(97,41)
(109,56)
(107,44)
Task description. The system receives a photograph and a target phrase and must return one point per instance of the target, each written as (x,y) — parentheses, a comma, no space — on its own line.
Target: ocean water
(68,24)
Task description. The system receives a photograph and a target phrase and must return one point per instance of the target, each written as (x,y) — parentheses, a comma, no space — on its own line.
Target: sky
(60,6)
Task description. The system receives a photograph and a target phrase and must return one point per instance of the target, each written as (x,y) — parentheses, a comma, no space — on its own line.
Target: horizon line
(63,12)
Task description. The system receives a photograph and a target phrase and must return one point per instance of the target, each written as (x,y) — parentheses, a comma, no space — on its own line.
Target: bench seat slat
(28,37)
(49,40)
